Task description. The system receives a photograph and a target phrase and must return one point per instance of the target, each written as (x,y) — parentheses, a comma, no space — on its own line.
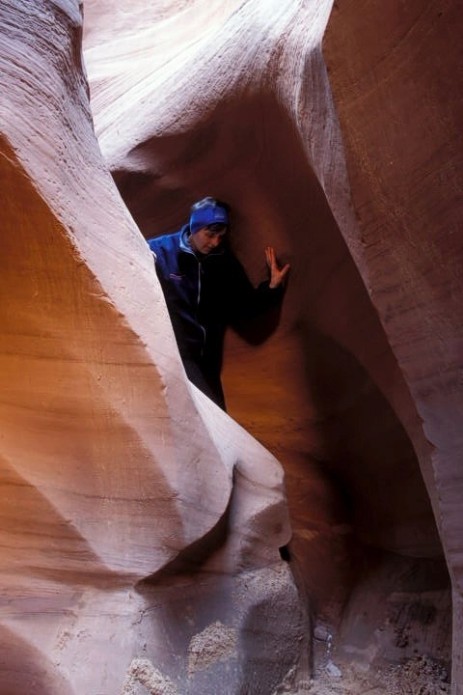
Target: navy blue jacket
(204,294)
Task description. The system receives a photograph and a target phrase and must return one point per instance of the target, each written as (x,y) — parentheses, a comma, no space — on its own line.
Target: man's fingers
(270,255)
(277,274)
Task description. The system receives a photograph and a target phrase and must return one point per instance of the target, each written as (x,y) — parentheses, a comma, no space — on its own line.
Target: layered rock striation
(136,515)
(141,525)
(237,102)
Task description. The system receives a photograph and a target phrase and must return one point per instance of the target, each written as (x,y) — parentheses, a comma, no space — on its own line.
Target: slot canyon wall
(141,525)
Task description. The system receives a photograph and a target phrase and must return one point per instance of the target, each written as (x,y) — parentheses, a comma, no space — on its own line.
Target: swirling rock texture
(140,524)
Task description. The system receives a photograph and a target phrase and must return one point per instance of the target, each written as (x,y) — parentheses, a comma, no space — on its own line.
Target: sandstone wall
(236,101)
(397,84)
(140,524)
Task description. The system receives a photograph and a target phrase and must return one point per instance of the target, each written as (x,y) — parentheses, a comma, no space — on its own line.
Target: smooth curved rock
(141,526)
(237,102)
(400,119)
(116,473)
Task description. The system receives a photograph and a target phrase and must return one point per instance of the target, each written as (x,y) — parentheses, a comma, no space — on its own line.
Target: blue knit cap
(210,213)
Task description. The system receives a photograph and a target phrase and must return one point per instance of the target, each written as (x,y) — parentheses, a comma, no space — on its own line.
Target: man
(206,289)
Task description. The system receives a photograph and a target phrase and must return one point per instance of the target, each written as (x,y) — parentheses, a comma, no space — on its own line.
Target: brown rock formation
(239,104)
(398,96)
(135,514)
(151,564)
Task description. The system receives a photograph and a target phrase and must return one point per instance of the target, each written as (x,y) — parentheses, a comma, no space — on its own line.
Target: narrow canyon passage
(317,384)
(309,539)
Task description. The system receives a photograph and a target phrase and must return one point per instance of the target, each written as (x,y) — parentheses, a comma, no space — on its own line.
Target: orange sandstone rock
(141,525)
(134,510)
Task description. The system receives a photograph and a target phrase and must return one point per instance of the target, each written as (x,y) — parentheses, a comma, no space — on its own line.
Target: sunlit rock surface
(141,525)
(235,101)
(398,95)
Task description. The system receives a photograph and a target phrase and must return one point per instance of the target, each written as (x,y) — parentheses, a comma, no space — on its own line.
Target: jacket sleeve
(152,246)
(247,301)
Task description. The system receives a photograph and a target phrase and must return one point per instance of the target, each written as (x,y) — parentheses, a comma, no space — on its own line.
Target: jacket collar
(184,245)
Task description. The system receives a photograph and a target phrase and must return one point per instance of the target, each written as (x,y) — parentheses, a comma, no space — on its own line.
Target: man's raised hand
(277,274)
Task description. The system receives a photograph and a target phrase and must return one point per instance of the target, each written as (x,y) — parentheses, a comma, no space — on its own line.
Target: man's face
(207,239)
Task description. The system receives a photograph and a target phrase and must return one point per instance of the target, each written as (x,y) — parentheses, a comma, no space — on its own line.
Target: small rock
(333,670)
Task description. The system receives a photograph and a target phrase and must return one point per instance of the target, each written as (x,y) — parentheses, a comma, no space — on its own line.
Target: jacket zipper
(198,299)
